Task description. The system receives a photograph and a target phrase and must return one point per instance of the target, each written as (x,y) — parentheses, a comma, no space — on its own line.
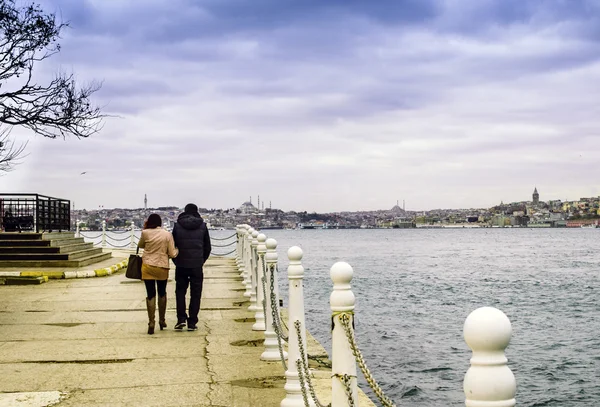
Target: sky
(337,105)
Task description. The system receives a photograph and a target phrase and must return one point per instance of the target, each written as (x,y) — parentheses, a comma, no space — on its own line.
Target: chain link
(347,382)
(304,364)
(277,328)
(224,238)
(275,313)
(345,322)
(224,254)
(224,245)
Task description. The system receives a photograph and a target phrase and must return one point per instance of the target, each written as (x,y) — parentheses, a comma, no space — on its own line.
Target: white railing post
(343,363)
(103,233)
(238,249)
(261,250)
(77,234)
(242,263)
(248,261)
(271,352)
(253,267)
(292,386)
(489,381)
(132,245)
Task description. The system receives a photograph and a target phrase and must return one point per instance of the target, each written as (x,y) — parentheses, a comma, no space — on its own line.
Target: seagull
(85,172)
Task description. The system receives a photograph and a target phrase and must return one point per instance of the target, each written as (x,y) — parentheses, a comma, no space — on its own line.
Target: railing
(34,212)
(487,331)
(127,239)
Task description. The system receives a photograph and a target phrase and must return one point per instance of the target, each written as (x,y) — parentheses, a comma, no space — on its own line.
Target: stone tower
(145,201)
(536,196)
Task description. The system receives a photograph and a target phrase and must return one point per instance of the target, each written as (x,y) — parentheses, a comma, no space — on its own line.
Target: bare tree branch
(11,154)
(59,108)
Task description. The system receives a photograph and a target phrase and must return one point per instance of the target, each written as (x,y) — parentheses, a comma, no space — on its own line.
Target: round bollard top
(271,244)
(341,274)
(295,253)
(250,230)
(487,329)
(262,237)
(254,233)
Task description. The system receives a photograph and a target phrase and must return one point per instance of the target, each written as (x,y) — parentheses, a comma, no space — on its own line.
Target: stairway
(53,249)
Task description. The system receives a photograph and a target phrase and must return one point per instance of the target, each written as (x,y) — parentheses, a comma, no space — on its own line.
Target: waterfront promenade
(83,342)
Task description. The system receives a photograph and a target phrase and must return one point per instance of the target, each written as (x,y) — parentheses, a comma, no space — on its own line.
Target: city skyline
(326,106)
(256,202)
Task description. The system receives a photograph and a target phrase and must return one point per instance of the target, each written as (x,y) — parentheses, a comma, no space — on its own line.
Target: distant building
(536,196)
(247,208)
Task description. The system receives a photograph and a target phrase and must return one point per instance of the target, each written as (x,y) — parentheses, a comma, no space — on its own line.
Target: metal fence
(34,212)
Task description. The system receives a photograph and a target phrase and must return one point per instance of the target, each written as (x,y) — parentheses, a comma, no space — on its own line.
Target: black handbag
(134,266)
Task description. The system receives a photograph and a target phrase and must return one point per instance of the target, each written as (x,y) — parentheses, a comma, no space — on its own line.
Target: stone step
(24,243)
(20,236)
(74,255)
(67,241)
(17,249)
(80,262)
(45,255)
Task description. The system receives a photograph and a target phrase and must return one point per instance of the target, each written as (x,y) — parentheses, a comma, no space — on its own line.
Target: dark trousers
(192,277)
(151,288)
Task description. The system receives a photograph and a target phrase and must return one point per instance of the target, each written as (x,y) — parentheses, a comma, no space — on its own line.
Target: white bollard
(248,262)
(489,381)
(242,249)
(342,360)
(261,250)
(253,267)
(238,248)
(271,352)
(77,234)
(132,245)
(292,386)
(103,233)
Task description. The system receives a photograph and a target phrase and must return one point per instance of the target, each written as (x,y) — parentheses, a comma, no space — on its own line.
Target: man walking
(191,238)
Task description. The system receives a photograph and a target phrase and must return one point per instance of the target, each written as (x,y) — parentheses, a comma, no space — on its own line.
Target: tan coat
(158,247)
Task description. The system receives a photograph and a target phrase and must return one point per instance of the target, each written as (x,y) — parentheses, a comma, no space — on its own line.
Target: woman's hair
(154,221)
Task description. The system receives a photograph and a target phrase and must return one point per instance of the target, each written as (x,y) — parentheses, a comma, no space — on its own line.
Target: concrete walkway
(83,342)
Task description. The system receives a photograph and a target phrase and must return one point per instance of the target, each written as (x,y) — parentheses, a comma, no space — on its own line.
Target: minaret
(145,201)
(403,205)
(258,204)
(270,207)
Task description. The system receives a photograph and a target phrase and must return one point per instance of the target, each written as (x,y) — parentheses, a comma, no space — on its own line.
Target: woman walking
(158,248)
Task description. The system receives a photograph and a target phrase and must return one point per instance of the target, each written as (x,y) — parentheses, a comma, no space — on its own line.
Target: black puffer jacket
(191,238)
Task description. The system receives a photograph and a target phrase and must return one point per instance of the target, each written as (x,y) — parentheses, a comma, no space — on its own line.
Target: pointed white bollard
(132,245)
(342,360)
(103,233)
(261,251)
(248,261)
(271,352)
(77,231)
(253,271)
(489,382)
(292,387)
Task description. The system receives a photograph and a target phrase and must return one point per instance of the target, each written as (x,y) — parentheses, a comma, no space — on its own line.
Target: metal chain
(302,360)
(275,327)
(347,382)
(275,313)
(224,254)
(225,245)
(224,238)
(302,385)
(385,401)
(119,240)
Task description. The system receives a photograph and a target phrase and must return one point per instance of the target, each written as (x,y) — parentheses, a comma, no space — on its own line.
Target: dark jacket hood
(190,221)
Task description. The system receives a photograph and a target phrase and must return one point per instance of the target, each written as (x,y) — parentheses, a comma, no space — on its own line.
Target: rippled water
(414,289)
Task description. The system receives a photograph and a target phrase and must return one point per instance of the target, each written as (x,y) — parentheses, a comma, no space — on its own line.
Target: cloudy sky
(327,105)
